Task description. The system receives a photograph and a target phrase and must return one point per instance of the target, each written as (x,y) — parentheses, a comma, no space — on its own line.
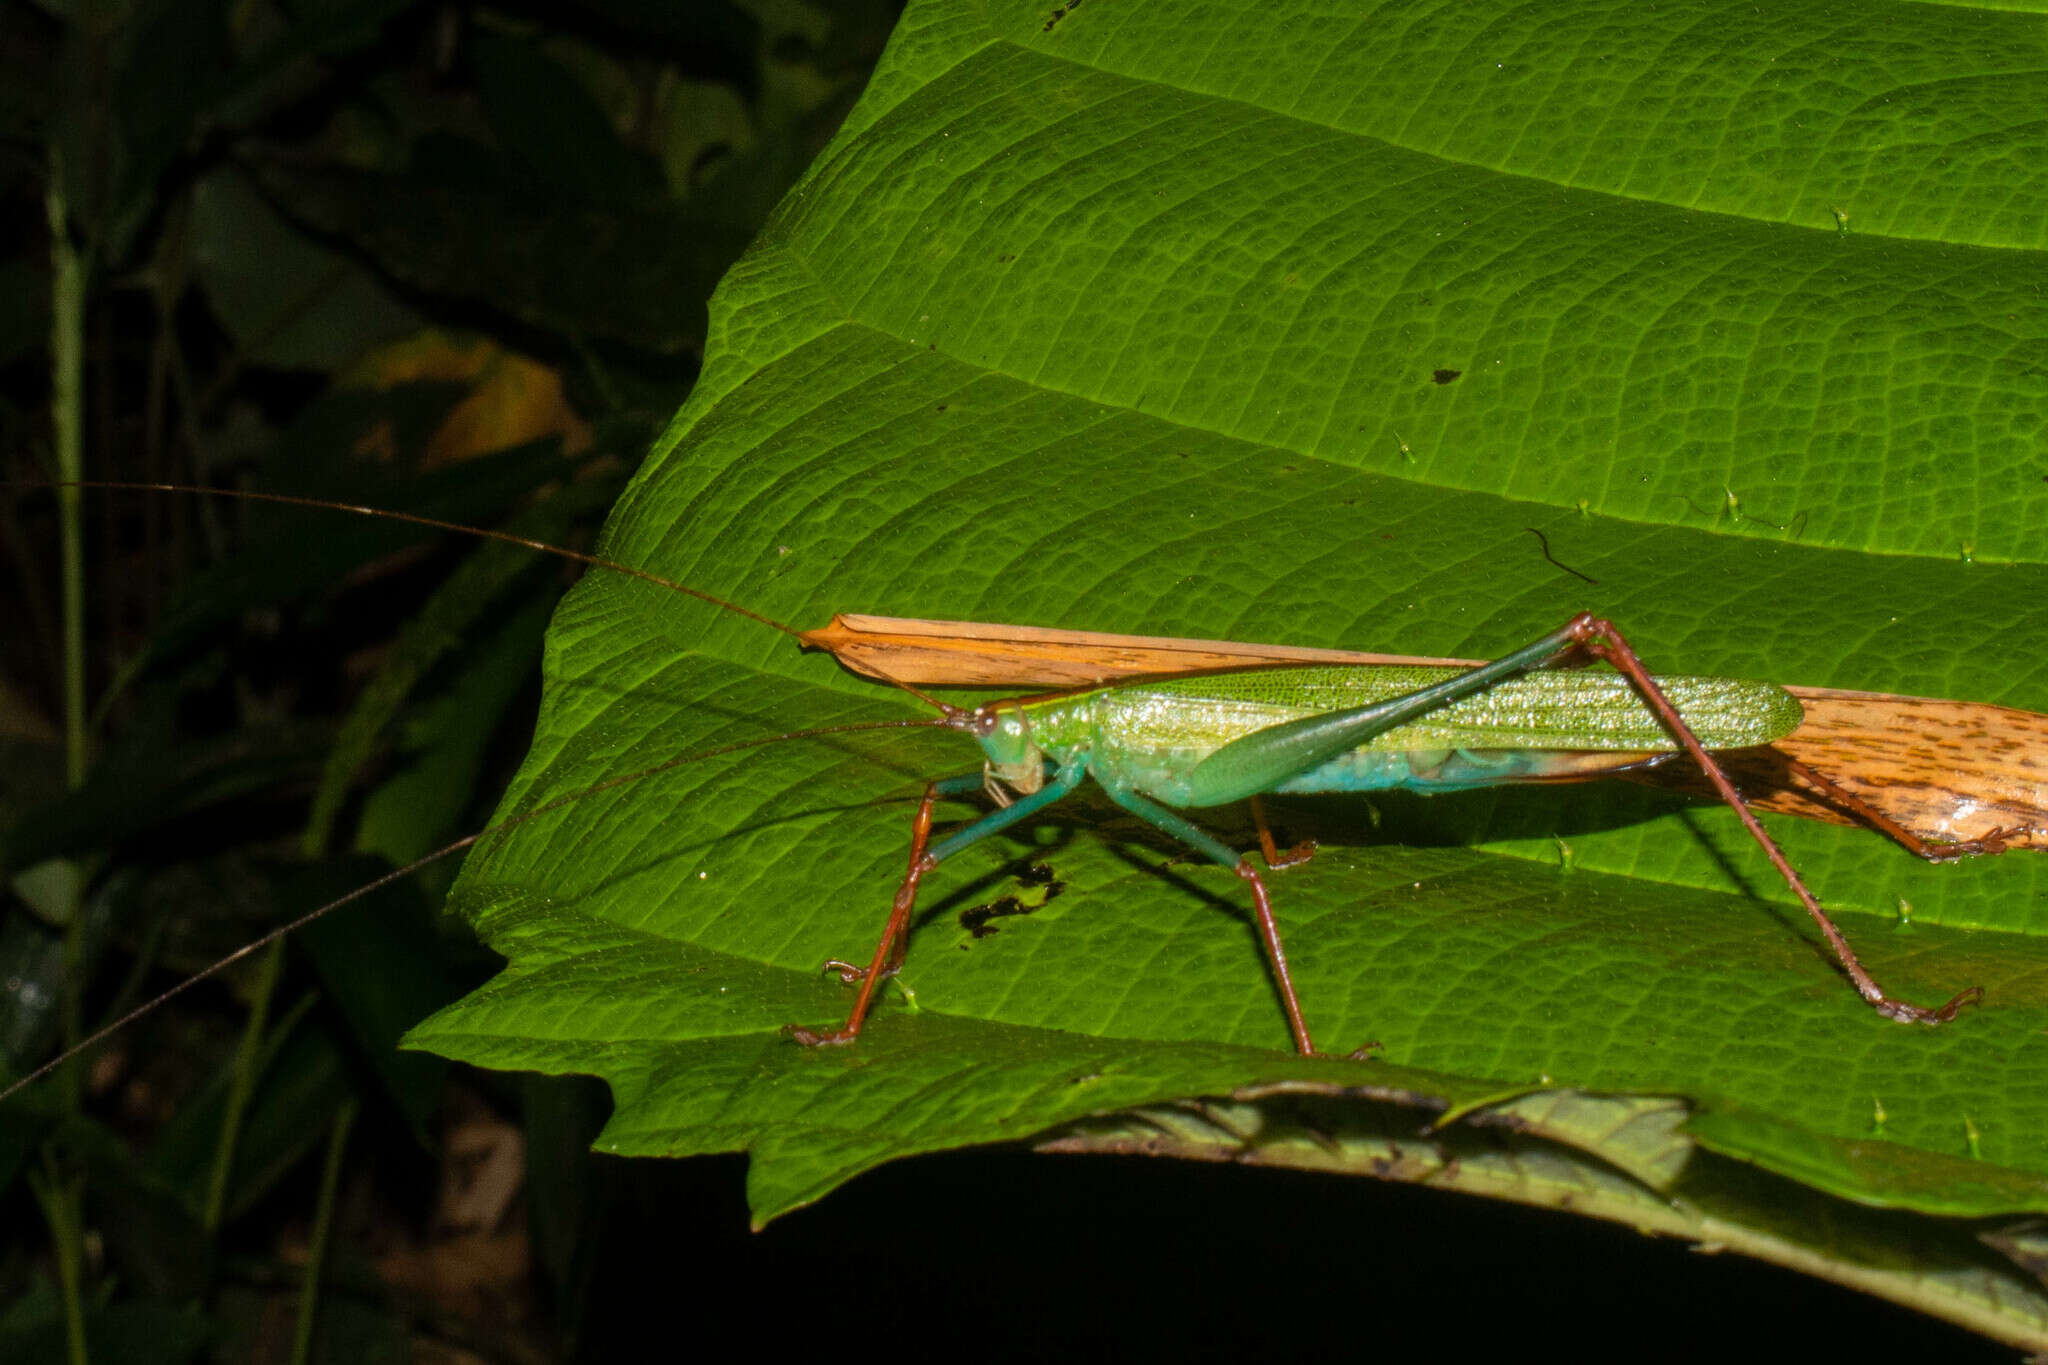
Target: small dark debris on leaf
(1062,12)
(1041,874)
(1444,376)
(975,919)
(1544,541)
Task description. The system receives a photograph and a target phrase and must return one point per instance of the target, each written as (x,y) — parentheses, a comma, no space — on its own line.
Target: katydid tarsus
(1160,747)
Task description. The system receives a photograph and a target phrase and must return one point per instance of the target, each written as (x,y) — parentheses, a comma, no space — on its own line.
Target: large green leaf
(1279,322)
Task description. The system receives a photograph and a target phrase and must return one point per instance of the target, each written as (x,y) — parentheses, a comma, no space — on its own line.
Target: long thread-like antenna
(482,533)
(399,874)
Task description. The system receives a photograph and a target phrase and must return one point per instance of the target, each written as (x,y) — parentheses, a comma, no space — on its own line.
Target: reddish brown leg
(1276,860)
(1269,934)
(1600,639)
(1851,804)
(895,936)
(1223,855)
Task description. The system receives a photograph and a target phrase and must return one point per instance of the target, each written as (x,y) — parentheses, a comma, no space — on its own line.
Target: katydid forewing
(1234,735)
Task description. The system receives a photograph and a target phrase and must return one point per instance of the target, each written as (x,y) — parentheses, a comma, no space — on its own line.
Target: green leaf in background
(558,134)
(1279,322)
(608,200)
(289,301)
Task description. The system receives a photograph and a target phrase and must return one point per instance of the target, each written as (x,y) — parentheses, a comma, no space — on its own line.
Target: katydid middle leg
(1214,849)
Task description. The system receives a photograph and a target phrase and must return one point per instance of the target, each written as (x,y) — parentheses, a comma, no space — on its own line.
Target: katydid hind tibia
(1159,747)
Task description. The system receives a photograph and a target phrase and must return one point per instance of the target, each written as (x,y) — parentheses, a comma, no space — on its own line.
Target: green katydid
(1162,746)
(1189,743)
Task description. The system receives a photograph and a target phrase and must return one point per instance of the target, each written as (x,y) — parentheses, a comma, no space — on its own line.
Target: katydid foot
(1994,840)
(813,1038)
(895,941)
(1914,1014)
(1279,859)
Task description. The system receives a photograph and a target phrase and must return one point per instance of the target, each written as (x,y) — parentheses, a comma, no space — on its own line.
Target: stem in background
(67,423)
(323,1226)
(60,1196)
(240,1085)
(67,427)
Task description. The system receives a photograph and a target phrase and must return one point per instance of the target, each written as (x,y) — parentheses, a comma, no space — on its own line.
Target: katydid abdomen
(1152,736)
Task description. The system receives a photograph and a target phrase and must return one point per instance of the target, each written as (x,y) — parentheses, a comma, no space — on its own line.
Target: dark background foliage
(455,258)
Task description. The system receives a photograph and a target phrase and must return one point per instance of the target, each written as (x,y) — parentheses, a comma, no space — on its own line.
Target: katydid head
(1004,733)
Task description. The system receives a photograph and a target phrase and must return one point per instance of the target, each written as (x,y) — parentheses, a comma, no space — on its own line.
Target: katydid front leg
(896,933)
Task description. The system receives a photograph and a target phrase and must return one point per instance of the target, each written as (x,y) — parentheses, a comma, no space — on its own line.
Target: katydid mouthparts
(1162,746)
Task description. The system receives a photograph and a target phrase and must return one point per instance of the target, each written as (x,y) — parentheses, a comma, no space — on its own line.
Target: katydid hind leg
(1259,761)
(1604,641)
